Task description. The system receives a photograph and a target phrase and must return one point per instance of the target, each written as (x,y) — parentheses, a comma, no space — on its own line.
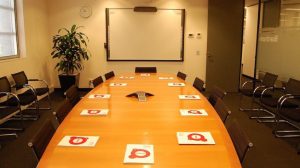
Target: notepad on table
(99,96)
(126,77)
(118,84)
(139,153)
(174,84)
(165,78)
(79,141)
(189,97)
(193,112)
(93,112)
(195,138)
(145,74)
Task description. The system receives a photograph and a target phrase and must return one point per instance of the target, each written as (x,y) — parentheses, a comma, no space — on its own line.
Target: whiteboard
(145,36)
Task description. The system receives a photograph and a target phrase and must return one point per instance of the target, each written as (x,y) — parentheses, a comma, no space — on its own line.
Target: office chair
(63,110)
(41,139)
(222,110)
(255,91)
(198,84)
(239,138)
(73,95)
(97,81)
(25,100)
(21,80)
(145,70)
(109,75)
(181,75)
(215,94)
(9,107)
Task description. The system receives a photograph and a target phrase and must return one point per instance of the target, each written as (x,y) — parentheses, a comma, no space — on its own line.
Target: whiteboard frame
(107,44)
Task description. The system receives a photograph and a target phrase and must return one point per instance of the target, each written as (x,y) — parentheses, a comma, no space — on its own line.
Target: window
(8,30)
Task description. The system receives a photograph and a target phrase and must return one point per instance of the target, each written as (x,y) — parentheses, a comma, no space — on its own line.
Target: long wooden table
(131,122)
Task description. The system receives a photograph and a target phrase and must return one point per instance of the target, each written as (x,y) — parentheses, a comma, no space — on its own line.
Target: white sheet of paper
(145,74)
(93,112)
(193,112)
(79,141)
(165,78)
(139,153)
(99,96)
(126,77)
(174,84)
(189,97)
(118,84)
(195,138)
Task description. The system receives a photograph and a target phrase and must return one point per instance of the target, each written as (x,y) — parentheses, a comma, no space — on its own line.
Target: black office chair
(181,75)
(109,75)
(145,70)
(254,90)
(222,110)
(9,107)
(41,139)
(63,111)
(239,138)
(270,103)
(25,99)
(199,84)
(215,94)
(73,95)
(21,80)
(97,81)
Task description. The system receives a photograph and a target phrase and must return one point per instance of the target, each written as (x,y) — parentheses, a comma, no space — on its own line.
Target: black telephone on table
(141,95)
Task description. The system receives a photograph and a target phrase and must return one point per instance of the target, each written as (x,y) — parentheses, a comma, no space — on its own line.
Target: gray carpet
(268,151)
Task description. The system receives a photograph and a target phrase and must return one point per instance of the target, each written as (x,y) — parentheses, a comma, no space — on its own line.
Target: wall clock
(85,11)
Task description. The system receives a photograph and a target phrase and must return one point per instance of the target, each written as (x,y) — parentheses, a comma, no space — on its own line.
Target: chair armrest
(30,88)
(265,91)
(285,98)
(39,80)
(9,94)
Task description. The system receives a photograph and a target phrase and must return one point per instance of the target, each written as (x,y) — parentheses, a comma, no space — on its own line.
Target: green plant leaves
(70,48)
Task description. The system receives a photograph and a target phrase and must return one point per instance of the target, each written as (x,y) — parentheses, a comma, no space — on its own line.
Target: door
(224,44)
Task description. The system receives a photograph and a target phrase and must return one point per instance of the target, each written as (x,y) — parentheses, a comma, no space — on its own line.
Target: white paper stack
(118,84)
(138,153)
(93,112)
(193,112)
(165,78)
(189,97)
(145,74)
(195,138)
(126,77)
(79,141)
(99,96)
(174,84)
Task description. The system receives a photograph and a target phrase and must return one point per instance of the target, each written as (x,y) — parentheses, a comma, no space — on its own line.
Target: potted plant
(70,47)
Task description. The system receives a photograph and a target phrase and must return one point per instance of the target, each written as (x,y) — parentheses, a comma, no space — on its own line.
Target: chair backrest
(72,95)
(20,79)
(97,81)
(63,110)
(269,79)
(4,84)
(293,87)
(215,94)
(145,70)
(239,138)
(181,75)
(41,139)
(198,84)
(109,75)
(222,110)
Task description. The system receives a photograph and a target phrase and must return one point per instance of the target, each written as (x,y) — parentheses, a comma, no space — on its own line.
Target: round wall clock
(85,11)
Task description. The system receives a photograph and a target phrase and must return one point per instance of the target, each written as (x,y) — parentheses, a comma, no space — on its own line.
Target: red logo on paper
(190,97)
(94,111)
(99,96)
(139,153)
(196,137)
(77,140)
(177,84)
(194,112)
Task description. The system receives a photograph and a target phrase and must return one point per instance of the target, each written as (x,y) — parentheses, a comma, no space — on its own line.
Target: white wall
(250,37)
(67,13)
(35,37)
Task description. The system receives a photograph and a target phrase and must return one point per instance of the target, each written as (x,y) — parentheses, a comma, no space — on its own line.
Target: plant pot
(67,81)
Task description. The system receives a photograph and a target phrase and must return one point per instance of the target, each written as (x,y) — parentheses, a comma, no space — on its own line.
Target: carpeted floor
(268,151)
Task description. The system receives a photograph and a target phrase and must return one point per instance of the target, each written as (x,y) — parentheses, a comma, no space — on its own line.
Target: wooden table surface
(131,122)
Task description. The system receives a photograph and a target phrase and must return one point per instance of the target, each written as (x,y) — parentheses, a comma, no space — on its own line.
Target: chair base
(26,117)
(12,129)
(10,134)
(287,133)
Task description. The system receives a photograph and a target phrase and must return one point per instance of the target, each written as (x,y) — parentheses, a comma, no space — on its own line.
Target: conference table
(155,121)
